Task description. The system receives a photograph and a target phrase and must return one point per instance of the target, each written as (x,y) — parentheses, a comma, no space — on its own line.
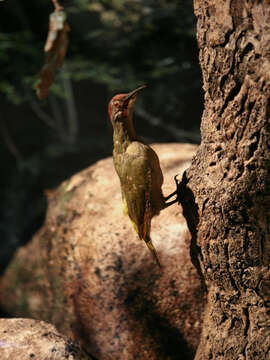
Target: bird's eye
(116,104)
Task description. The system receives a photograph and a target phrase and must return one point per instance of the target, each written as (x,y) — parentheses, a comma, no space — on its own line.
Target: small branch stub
(57,6)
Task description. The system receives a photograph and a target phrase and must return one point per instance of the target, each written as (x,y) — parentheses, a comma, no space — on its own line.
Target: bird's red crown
(116,103)
(123,100)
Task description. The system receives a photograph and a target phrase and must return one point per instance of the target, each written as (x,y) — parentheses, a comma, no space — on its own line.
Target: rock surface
(24,339)
(87,272)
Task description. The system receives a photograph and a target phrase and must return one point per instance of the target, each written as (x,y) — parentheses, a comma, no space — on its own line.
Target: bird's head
(121,105)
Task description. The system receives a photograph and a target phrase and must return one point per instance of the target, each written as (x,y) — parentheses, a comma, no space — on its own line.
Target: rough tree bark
(226,191)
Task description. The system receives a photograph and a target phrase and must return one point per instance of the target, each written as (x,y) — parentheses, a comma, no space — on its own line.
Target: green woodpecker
(138,168)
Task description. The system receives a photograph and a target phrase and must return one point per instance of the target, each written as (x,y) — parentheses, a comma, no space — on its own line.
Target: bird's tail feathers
(151,247)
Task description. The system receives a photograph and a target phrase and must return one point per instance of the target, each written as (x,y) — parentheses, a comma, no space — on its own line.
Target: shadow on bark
(190,212)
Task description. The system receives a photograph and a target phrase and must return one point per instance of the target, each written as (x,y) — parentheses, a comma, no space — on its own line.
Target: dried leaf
(56,48)
(57,23)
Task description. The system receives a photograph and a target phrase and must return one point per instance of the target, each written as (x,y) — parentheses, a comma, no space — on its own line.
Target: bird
(138,168)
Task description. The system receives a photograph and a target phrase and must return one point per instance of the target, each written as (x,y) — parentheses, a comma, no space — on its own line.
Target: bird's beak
(133,93)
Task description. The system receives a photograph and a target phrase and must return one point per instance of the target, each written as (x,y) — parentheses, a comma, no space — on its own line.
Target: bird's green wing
(136,191)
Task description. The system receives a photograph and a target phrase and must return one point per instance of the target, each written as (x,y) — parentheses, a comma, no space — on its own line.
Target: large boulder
(87,272)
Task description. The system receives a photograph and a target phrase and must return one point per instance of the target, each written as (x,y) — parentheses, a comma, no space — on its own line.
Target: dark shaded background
(115,46)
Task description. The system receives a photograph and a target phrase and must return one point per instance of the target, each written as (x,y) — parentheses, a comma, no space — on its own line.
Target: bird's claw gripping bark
(176,192)
(177,188)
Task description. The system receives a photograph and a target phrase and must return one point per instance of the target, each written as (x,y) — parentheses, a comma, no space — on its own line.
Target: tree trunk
(226,191)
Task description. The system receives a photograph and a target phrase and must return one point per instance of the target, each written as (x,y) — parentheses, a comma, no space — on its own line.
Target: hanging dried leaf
(56,48)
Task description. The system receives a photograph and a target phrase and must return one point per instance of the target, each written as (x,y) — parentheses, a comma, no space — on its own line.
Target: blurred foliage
(120,43)
(117,45)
